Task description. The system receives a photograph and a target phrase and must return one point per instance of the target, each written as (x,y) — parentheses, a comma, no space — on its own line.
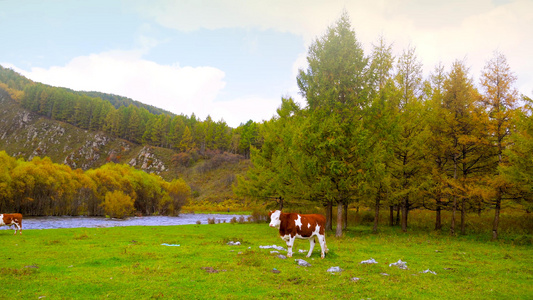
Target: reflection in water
(90,222)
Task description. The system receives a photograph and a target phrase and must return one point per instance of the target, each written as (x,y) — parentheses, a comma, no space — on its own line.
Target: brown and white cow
(12,219)
(292,226)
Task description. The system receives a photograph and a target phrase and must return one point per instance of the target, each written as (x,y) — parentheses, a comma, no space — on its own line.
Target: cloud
(280,15)
(242,109)
(181,90)
(442,31)
(178,89)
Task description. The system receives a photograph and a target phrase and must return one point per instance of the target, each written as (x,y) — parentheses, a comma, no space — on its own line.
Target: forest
(130,120)
(373,133)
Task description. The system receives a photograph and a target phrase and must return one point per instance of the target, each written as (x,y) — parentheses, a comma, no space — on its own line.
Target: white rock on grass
(302,263)
(334,269)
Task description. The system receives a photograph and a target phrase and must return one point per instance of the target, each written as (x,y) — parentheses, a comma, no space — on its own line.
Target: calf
(292,226)
(12,219)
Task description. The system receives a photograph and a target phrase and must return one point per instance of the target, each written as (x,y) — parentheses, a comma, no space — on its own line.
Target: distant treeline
(40,187)
(131,120)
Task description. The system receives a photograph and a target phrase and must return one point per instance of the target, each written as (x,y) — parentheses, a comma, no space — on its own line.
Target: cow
(293,225)
(12,219)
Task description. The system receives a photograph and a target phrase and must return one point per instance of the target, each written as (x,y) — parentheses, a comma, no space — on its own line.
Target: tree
(408,149)
(118,205)
(187,144)
(519,169)
(499,98)
(436,151)
(466,149)
(332,137)
(275,171)
(383,124)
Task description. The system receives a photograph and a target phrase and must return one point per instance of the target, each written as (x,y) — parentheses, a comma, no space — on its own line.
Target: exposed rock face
(147,161)
(27,135)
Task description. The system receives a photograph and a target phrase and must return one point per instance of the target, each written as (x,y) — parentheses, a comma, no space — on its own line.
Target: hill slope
(26,135)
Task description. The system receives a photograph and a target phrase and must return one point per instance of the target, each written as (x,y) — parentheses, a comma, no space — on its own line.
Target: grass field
(131,263)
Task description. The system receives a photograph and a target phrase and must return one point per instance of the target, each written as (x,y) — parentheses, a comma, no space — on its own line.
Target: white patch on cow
(317,230)
(308,225)
(2,220)
(298,222)
(274,219)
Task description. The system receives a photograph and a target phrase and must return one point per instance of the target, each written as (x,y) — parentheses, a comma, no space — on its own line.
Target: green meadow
(132,263)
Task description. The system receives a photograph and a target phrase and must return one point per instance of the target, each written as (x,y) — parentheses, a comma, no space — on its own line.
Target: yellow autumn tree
(118,205)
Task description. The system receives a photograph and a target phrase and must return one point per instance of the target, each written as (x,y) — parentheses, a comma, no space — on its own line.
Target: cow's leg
(17,225)
(323,247)
(311,246)
(290,243)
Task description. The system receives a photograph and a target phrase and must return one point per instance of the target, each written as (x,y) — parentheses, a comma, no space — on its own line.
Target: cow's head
(274,218)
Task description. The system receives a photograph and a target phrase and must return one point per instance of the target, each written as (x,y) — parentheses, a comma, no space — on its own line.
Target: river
(92,222)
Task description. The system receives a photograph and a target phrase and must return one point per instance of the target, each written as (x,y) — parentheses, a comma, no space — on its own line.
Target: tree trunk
(391,215)
(329,216)
(454,208)
(438,221)
(405,209)
(463,217)
(496,216)
(452,224)
(338,232)
(345,224)
(398,208)
(376,214)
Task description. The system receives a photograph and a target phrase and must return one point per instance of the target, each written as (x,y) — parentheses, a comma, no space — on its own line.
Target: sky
(234,60)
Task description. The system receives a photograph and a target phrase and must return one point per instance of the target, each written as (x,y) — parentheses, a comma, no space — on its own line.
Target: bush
(183,159)
(118,205)
(259,217)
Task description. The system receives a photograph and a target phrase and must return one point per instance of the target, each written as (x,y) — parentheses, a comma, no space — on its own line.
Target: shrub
(259,217)
(183,159)
(118,205)
(179,193)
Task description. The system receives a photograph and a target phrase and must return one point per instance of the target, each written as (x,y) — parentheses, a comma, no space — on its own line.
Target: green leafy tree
(275,170)
(332,136)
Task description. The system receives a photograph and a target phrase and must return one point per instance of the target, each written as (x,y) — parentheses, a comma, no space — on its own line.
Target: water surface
(92,222)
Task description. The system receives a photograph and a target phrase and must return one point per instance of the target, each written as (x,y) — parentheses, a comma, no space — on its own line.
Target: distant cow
(12,219)
(292,226)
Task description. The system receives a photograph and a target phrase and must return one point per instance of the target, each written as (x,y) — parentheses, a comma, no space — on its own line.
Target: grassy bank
(130,262)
